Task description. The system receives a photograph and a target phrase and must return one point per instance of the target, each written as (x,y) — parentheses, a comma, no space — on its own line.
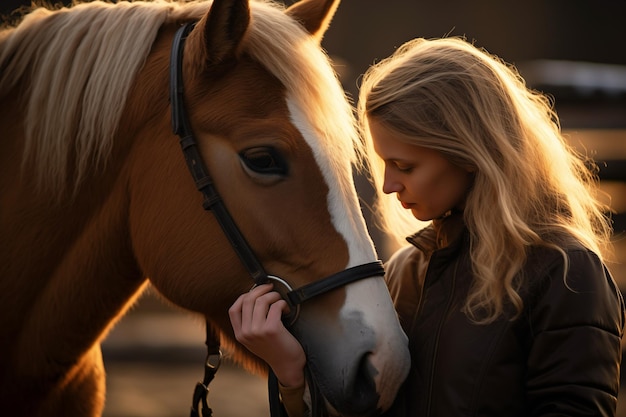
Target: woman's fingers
(256,313)
(256,318)
(245,300)
(276,311)
(255,309)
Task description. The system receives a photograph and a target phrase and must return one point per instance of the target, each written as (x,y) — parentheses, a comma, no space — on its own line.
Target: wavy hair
(531,187)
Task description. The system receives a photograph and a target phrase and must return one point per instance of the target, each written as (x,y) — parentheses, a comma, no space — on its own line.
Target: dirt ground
(152,390)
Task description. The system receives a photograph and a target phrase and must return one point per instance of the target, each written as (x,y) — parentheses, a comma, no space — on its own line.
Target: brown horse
(96,200)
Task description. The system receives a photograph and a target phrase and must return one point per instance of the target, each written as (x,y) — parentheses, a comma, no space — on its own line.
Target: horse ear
(315,15)
(225,26)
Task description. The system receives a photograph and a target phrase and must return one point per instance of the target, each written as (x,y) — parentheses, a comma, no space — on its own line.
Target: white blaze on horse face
(390,358)
(343,203)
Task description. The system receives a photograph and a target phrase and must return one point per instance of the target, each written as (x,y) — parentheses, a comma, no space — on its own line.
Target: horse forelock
(305,69)
(80,63)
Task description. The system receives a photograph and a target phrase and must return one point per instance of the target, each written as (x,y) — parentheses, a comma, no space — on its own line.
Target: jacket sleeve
(576,325)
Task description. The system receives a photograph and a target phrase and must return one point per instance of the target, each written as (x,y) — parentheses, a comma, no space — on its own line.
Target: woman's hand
(256,321)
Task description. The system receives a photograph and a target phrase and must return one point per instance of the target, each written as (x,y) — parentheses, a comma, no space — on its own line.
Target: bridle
(212,201)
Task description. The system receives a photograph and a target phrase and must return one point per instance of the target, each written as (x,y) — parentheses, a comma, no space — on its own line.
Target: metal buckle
(213,361)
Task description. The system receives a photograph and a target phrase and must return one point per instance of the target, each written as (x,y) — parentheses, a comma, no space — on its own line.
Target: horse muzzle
(357,359)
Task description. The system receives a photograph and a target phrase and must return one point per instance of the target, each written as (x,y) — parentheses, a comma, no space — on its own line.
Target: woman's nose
(391,184)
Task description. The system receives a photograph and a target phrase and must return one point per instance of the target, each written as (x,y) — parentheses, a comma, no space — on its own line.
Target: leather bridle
(212,201)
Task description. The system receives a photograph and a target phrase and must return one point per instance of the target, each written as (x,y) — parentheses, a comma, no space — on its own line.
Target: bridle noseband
(212,201)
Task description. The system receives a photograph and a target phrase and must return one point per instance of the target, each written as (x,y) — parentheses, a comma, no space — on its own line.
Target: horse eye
(264,160)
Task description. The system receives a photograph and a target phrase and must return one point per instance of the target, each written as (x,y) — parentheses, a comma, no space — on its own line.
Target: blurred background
(571,49)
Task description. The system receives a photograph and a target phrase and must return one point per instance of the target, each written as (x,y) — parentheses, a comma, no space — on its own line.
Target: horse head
(272,123)
(278,138)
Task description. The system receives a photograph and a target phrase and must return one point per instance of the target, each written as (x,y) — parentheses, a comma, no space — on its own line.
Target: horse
(97,202)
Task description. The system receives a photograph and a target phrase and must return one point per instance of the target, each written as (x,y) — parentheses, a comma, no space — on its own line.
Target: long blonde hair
(530,185)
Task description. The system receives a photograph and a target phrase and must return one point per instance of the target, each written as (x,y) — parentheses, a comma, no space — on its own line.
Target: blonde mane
(80,62)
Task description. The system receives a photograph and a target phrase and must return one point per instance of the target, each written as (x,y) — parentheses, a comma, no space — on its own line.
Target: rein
(212,201)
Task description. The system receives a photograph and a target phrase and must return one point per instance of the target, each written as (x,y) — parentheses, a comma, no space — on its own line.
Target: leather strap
(211,365)
(195,163)
(306,292)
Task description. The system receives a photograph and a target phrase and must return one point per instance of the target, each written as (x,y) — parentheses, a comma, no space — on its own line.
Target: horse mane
(80,62)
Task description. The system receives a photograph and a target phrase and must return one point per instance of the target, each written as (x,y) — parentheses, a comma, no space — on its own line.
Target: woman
(504,295)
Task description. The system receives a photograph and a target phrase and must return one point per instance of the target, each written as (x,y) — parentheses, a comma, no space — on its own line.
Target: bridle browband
(212,201)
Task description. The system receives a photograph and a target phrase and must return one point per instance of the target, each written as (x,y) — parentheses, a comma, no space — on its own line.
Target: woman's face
(424,181)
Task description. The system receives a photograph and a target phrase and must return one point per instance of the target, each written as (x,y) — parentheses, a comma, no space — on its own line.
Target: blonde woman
(502,290)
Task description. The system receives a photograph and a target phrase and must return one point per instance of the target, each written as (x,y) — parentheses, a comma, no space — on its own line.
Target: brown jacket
(560,357)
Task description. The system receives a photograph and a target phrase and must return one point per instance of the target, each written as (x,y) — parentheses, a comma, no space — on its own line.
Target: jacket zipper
(439,329)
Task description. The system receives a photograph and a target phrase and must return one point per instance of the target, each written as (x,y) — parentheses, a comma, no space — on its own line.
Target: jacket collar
(440,234)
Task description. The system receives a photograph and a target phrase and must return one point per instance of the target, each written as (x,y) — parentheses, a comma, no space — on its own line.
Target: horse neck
(58,276)
(66,268)
(94,265)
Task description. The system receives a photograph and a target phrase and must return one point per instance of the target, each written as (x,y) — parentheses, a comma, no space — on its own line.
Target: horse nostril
(361,389)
